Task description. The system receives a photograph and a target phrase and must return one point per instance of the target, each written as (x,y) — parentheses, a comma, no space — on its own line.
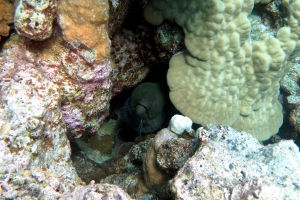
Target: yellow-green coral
(222,78)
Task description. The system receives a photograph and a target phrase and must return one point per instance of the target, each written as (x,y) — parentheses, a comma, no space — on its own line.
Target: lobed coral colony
(222,77)
(68,66)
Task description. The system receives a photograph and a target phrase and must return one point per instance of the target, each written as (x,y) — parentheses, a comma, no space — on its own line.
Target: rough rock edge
(234,165)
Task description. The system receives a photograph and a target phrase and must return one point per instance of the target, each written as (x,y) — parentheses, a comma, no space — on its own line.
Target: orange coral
(6,16)
(85,22)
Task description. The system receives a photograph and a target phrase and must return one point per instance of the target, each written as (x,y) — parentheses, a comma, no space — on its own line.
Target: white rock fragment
(178,124)
(114,3)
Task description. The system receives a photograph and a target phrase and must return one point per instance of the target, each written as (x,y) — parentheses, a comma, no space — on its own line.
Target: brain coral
(222,77)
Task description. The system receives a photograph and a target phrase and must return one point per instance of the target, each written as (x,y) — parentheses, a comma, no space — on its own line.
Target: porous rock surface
(290,84)
(34,19)
(85,23)
(35,152)
(84,87)
(234,165)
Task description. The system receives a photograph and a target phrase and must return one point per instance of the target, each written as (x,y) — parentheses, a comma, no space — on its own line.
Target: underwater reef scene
(150,99)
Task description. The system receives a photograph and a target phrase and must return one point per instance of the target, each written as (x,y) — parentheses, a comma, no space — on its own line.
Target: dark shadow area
(286,131)
(4,39)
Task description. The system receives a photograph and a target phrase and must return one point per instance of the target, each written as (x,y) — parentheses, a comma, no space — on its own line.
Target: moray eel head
(144,110)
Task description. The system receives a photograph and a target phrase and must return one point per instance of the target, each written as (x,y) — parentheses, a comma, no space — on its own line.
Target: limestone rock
(234,165)
(34,19)
(35,152)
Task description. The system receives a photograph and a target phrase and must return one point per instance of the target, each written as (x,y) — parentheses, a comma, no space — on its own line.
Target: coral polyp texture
(222,77)
(129,67)
(6,16)
(34,19)
(85,23)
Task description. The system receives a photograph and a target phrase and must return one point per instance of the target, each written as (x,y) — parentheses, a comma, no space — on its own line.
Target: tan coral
(85,22)
(222,78)
(6,16)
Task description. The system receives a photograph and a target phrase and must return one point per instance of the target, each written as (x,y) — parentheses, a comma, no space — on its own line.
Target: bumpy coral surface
(34,19)
(6,16)
(222,78)
(118,11)
(233,165)
(129,66)
(85,22)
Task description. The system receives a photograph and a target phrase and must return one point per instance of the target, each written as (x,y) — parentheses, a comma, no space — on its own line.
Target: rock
(293,104)
(132,183)
(180,123)
(34,19)
(172,155)
(134,157)
(129,174)
(234,165)
(35,153)
(155,178)
(130,67)
(91,191)
(290,84)
(85,88)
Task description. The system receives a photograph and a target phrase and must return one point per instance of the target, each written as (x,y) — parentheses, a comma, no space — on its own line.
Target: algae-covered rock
(35,153)
(234,165)
(291,85)
(34,19)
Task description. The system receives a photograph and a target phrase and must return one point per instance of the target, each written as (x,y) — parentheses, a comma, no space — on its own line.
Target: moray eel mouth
(141,114)
(144,110)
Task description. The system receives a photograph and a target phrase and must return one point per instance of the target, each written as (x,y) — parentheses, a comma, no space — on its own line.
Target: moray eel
(144,110)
